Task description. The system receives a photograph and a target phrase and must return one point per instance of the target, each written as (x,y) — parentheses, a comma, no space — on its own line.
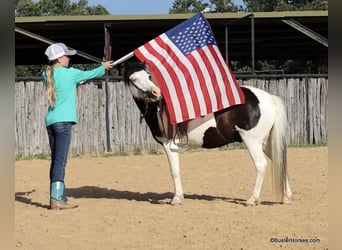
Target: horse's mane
(132,67)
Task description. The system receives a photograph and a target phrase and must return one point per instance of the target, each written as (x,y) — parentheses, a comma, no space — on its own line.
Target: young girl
(61,82)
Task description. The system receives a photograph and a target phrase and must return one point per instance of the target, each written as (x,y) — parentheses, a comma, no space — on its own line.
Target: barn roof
(277,35)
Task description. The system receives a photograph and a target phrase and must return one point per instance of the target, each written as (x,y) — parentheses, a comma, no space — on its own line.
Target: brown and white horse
(260,123)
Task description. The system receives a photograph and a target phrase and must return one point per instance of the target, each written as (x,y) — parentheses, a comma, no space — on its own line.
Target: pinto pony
(260,123)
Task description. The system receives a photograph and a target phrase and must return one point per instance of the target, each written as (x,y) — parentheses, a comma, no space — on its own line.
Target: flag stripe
(212,80)
(200,66)
(223,82)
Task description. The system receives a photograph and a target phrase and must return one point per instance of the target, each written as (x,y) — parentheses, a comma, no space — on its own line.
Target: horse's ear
(127,70)
(143,64)
(147,68)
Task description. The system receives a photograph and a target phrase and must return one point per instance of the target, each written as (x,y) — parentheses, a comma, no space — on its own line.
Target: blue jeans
(59,139)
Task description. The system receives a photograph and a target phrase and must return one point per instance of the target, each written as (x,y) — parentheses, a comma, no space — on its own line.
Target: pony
(260,124)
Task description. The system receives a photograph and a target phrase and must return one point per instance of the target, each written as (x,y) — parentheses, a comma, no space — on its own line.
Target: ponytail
(50,88)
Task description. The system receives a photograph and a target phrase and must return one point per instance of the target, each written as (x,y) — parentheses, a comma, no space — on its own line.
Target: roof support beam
(48,41)
(252,39)
(310,33)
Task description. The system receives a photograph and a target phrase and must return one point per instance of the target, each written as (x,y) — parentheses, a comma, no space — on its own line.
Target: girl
(61,82)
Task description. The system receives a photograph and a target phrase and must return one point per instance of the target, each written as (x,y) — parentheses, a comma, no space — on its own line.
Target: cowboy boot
(57,200)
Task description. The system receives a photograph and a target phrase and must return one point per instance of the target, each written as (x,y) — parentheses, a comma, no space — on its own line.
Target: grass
(40,156)
(154,151)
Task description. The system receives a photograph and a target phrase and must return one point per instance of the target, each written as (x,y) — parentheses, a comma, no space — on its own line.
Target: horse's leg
(260,163)
(173,157)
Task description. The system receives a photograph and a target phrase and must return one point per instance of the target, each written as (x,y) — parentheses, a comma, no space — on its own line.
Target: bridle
(160,110)
(146,95)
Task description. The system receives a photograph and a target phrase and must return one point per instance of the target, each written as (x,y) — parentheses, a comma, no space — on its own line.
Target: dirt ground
(122,203)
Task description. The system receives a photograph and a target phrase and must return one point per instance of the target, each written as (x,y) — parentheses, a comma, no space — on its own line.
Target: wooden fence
(305,99)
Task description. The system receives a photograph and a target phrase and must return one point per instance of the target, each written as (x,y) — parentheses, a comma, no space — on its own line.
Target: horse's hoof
(252,202)
(287,201)
(176,201)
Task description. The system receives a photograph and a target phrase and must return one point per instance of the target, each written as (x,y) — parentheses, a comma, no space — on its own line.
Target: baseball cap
(57,50)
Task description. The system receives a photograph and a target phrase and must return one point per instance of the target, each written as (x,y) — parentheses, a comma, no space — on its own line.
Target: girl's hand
(107,65)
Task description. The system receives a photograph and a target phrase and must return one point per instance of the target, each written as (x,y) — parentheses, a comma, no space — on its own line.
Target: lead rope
(142,115)
(160,119)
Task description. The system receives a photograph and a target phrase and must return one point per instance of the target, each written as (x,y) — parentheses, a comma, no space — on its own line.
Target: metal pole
(107,57)
(124,58)
(252,44)
(226,33)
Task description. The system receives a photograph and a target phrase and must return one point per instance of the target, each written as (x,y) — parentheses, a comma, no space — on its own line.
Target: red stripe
(229,93)
(241,94)
(202,82)
(214,81)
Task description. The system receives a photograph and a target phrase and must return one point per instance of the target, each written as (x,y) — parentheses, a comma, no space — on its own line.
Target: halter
(145,93)
(145,96)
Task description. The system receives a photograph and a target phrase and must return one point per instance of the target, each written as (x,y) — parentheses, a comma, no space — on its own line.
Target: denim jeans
(59,139)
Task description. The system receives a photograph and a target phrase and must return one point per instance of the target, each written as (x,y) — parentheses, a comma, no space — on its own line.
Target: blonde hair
(50,86)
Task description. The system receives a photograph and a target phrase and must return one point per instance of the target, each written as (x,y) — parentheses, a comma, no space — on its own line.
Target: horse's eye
(150,77)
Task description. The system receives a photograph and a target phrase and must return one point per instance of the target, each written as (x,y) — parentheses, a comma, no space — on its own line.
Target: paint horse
(260,123)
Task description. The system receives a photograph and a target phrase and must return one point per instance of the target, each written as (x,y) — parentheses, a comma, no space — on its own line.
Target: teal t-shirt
(65,82)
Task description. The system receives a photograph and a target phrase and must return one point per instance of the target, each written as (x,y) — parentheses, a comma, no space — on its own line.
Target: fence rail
(305,99)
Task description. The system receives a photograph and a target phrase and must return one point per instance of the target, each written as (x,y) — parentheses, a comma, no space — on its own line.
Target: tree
(51,8)
(57,8)
(193,6)
(284,5)
(260,5)
(26,8)
(223,6)
(187,6)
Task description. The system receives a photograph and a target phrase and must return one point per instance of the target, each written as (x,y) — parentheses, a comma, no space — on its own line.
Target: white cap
(57,50)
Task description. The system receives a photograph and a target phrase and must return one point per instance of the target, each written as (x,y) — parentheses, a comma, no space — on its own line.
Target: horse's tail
(279,148)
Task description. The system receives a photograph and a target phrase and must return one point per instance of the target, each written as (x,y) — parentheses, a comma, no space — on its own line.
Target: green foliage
(137,151)
(40,156)
(260,5)
(29,70)
(194,6)
(121,153)
(154,151)
(187,6)
(284,5)
(51,8)
(57,8)
(223,6)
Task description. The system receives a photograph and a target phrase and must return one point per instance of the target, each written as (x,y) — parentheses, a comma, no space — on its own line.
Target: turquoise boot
(57,197)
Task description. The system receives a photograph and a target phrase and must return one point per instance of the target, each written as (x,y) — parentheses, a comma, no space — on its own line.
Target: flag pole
(124,58)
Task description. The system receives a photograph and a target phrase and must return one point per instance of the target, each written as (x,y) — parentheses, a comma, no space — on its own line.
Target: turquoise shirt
(65,82)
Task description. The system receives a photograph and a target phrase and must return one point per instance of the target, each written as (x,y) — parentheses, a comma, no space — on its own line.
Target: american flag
(190,70)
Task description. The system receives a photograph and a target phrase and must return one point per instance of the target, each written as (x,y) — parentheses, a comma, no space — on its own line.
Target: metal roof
(277,35)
